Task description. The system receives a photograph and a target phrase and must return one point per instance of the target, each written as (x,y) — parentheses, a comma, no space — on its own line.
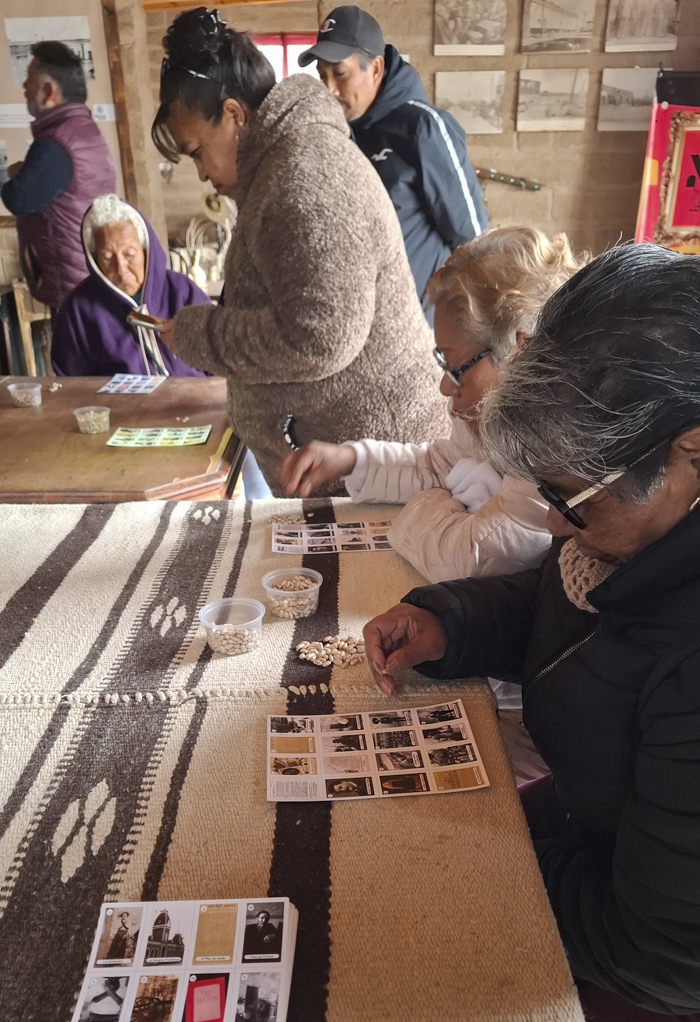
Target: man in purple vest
(67,166)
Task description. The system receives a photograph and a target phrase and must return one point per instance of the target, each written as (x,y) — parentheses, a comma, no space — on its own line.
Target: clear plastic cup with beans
(25,395)
(92,419)
(233,625)
(292,593)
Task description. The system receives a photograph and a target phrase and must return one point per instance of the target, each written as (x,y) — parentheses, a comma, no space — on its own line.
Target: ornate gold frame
(665,233)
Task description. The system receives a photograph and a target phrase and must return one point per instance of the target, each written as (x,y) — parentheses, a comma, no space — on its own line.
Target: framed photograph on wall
(552,100)
(469,28)
(641,25)
(626,96)
(474,98)
(562,27)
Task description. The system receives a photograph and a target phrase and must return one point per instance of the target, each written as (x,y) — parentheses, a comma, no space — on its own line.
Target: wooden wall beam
(127,51)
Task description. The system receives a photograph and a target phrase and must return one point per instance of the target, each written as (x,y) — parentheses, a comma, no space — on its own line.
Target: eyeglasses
(566,507)
(454,374)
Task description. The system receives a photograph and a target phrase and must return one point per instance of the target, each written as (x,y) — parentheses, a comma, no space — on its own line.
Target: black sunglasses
(454,374)
(566,507)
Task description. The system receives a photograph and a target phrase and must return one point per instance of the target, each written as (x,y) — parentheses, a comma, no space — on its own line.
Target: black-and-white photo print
(641,25)
(562,27)
(469,28)
(474,98)
(552,100)
(626,96)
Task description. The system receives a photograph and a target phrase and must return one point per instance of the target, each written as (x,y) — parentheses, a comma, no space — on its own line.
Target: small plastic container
(92,419)
(233,625)
(25,395)
(291,604)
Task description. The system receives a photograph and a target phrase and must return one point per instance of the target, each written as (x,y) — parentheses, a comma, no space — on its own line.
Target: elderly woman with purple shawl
(128,271)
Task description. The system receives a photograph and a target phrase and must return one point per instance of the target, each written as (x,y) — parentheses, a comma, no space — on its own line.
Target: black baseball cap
(345,30)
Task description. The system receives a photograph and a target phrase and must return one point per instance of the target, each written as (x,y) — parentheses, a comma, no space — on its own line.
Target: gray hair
(108,210)
(612,370)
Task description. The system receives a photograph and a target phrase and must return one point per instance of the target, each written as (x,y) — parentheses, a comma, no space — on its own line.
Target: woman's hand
(402,637)
(314,464)
(167,334)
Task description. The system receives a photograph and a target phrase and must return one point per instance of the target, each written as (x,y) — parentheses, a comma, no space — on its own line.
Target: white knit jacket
(434,531)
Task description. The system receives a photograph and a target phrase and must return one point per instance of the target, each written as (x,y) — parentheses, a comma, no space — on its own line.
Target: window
(283,51)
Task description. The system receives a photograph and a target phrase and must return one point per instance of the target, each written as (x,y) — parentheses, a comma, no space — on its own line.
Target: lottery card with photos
(128,383)
(423,750)
(185,436)
(330,538)
(190,961)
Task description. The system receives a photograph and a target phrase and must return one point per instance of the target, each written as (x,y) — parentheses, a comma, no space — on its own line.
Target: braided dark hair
(207,62)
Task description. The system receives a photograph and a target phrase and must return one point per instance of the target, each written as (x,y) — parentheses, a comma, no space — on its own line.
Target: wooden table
(133,768)
(45,459)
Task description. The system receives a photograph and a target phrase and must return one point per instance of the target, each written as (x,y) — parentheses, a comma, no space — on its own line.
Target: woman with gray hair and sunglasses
(601,410)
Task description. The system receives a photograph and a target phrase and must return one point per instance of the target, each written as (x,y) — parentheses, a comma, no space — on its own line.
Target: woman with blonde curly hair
(461,517)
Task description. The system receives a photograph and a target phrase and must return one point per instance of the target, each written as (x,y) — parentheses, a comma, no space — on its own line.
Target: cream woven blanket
(132,767)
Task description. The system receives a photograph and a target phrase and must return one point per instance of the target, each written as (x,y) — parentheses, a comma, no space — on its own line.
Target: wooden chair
(30,311)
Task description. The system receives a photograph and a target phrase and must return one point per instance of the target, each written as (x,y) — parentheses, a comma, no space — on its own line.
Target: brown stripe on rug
(55,727)
(17,615)
(300,868)
(172,802)
(106,769)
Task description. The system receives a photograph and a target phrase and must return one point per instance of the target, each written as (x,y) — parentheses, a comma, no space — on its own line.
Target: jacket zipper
(564,655)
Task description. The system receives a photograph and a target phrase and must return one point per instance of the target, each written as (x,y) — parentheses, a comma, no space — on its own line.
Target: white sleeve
(391,473)
(443,541)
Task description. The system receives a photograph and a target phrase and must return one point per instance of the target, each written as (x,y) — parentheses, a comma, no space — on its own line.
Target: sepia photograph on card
(626,96)
(474,98)
(562,27)
(552,100)
(469,28)
(643,25)
(119,936)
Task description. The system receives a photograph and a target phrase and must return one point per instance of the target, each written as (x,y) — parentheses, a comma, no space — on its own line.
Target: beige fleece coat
(322,320)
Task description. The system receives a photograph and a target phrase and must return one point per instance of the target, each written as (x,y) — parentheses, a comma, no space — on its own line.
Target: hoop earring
(694,504)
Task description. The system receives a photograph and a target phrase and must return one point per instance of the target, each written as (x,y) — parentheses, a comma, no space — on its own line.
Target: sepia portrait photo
(469,28)
(474,98)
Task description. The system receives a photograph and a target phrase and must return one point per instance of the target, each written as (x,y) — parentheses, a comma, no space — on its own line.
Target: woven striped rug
(132,768)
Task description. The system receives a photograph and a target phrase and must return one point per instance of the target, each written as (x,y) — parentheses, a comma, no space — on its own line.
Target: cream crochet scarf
(580,574)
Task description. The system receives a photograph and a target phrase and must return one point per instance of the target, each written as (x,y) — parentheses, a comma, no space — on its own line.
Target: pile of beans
(232,639)
(26,398)
(335,650)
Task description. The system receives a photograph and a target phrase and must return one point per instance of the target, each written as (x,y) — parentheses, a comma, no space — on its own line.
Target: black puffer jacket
(420,153)
(612,701)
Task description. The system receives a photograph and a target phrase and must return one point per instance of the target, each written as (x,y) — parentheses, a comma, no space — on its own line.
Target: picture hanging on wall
(552,100)
(626,96)
(474,98)
(465,28)
(641,25)
(21,33)
(562,27)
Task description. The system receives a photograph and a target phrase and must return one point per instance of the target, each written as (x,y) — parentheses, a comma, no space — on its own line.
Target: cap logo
(327,25)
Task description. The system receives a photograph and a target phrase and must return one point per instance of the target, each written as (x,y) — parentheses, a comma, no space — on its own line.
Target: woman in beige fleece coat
(321,318)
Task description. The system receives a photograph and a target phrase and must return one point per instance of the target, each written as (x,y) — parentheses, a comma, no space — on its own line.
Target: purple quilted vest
(50,245)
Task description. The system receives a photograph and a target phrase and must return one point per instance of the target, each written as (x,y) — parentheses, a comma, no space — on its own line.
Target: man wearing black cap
(418,150)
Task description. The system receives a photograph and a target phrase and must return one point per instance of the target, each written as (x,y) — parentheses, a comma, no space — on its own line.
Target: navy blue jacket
(420,153)
(612,701)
